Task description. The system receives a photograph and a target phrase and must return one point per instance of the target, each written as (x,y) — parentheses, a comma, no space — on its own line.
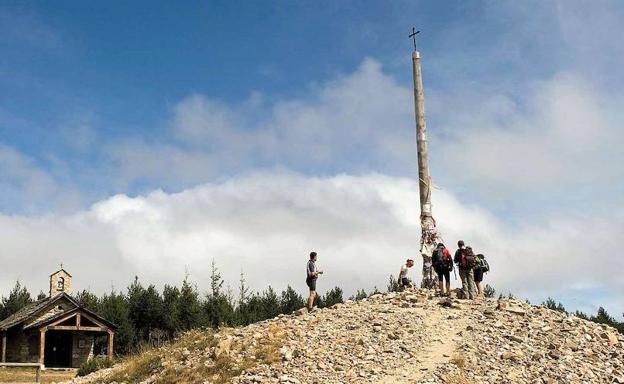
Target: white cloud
(266,223)
(358,122)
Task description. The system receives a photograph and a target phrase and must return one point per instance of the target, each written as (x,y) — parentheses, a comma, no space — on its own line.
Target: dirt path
(439,349)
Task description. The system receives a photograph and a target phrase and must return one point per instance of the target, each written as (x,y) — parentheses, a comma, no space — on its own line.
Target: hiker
(466,261)
(443,265)
(479,269)
(312,275)
(404,282)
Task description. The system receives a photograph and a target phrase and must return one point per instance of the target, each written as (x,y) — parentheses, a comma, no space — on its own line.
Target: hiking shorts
(405,282)
(444,275)
(478,275)
(311,283)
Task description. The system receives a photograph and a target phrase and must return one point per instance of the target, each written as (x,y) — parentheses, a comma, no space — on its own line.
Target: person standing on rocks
(404,282)
(443,265)
(466,261)
(481,268)
(312,276)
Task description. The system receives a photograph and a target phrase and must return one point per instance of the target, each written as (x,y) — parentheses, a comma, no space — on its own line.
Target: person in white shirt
(404,282)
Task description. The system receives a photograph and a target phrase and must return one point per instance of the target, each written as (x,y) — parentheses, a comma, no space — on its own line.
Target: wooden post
(111,335)
(42,333)
(429,235)
(4,345)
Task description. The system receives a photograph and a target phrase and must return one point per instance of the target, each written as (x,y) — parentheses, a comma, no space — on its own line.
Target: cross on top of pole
(413,36)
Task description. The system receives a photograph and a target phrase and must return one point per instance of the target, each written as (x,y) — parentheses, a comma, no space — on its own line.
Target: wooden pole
(428,236)
(42,335)
(421,139)
(111,336)
(4,346)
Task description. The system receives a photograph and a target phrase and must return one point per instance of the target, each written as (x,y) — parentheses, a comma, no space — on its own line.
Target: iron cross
(413,36)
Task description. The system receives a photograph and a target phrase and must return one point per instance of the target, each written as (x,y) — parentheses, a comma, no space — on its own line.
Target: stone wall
(82,348)
(22,347)
(54,283)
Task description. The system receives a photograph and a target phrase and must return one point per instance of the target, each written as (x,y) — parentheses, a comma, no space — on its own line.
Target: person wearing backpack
(466,261)
(479,269)
(443,265)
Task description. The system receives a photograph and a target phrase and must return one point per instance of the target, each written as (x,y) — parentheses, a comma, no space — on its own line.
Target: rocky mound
(412,337)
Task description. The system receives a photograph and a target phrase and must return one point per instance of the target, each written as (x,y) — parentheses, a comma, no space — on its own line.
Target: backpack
(436,258)
(485,267)
(468,259)
(447,260)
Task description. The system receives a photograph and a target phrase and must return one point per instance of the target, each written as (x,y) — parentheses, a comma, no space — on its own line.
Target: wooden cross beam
(413,36)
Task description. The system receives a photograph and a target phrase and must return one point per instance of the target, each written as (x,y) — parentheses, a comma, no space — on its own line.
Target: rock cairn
(409,337)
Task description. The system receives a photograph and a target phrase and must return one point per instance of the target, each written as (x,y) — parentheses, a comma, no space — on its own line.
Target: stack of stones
(410,337)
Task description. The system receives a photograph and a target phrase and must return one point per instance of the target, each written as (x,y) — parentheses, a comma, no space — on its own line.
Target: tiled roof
(30,310)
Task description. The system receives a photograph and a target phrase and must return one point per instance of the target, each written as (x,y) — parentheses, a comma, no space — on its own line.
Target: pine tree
(291,301)
(189,307)
(87,300)
(551,304)
(270,303)
(171,312)
(359,295)
(114,308)
(332,297)
(393,284)
(19,297)
(216,282)
(489,291)
(243,290)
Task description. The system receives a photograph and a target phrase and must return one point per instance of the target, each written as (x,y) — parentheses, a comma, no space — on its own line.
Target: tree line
(146,315)
(601,317)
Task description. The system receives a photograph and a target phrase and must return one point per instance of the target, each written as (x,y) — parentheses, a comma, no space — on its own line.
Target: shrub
(93,365)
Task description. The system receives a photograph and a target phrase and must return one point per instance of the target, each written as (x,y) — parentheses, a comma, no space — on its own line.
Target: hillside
(391,338)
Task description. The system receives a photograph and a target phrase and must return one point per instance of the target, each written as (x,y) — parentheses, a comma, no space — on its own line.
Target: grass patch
(196,340)
(93,365)
(232,356)
(459,360)
(136,368)
(27,375)
(223,368)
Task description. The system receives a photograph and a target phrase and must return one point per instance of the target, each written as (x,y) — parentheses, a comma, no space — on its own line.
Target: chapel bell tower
(60,281)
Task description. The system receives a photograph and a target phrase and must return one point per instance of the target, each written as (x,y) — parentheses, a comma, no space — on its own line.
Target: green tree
(189,307)
(334,296)
(114,308)
(291,301)
(216,281)
(581,315)
(171,313)
(603,317)
(41,296)
(551,304)
(243,291)
(359,295)
(393,284)
(489,291)
(19,297)
(270,303)
(88,300)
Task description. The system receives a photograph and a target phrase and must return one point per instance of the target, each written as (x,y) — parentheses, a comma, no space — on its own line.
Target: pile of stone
(409,337)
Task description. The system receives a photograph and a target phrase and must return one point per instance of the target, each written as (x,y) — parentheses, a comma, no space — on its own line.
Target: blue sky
(101,100)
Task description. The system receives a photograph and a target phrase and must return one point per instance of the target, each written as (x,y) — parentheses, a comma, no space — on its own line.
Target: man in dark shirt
(311,276)
(465,271)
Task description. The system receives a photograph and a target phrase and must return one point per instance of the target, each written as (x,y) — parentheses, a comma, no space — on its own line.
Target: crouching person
(404,281)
